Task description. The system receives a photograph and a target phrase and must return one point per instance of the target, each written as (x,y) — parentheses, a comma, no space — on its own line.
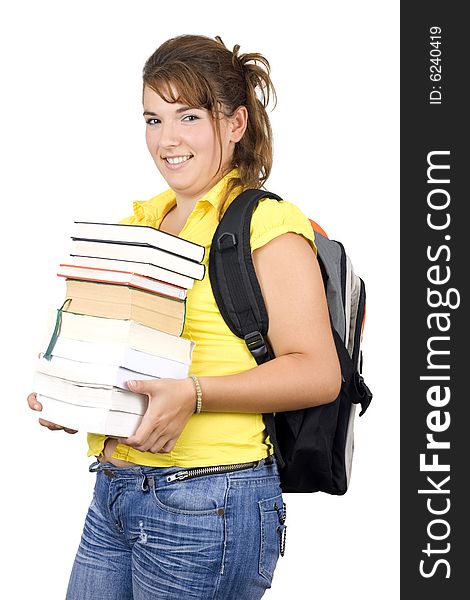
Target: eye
(152,121)
(190,118)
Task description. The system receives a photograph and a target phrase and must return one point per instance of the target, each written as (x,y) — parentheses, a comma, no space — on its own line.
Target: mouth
(175,162)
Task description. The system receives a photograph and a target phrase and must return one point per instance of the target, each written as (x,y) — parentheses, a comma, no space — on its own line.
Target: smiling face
(184,145)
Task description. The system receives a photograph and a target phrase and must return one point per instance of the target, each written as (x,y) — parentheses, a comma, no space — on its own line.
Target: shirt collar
(156,208)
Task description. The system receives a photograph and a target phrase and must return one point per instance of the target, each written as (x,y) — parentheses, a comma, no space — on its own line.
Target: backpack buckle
(226,241)
(256,345)
(364,393)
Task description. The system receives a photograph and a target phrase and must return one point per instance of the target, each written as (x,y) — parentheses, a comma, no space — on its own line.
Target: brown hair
(200,71)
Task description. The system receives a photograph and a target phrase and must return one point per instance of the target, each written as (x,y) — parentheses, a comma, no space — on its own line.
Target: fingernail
(131,383)
(37,407)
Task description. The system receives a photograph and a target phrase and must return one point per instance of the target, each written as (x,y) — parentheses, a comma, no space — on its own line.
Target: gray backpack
(313,446)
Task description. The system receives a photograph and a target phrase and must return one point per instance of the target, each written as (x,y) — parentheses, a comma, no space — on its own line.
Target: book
(138,253)
(117,301)
(89,373)
(140,234)
(112,265)
(128,278)
(94,396)
(95,420)
(89,328)
(91,358)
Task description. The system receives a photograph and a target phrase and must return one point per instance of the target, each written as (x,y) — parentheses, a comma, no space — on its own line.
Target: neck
(183,209)
(186,200)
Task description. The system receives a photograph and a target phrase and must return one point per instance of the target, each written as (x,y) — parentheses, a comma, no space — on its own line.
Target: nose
(169,136)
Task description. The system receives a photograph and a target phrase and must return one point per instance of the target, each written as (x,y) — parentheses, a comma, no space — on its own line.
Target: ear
(238,121)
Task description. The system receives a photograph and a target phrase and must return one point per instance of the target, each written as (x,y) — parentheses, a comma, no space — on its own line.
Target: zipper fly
(201,471)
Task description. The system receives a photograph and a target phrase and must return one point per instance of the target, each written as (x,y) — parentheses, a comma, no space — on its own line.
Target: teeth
(174,160)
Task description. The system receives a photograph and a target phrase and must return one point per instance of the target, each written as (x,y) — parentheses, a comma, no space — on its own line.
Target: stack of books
(122,319)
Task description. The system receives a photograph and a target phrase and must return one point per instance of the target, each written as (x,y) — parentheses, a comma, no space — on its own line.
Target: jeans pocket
(199,496)
(272,525)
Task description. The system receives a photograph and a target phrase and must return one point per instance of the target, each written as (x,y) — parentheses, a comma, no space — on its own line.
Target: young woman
(215,536)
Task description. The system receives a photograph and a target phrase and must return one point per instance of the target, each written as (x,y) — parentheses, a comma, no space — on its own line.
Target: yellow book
(117,301)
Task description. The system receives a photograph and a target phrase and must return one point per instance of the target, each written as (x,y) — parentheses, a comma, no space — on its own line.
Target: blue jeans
(215,537)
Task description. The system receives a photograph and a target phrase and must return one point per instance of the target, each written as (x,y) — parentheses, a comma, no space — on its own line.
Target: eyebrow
(178,110)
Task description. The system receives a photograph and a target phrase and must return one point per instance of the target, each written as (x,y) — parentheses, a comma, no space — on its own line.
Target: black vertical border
(426,128)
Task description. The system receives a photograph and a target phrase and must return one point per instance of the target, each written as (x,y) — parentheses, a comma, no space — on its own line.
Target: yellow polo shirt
(212,438)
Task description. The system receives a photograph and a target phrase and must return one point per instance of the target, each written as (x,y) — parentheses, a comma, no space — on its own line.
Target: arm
(304,373)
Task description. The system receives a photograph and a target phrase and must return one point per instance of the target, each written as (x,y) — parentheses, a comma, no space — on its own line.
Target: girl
(215,536)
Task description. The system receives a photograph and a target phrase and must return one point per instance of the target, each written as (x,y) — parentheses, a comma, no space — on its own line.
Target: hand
(34,404)
(171,404)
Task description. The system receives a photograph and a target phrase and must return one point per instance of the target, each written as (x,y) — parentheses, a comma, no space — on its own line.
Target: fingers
(67,430)
(143,439)
(153,441)
(158,444)
(143,386)
(33,402)
(168,447)
(55,427)
(49,425)
(165,417)
(134,385)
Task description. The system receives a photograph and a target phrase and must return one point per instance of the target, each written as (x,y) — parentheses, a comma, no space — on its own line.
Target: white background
(72,147)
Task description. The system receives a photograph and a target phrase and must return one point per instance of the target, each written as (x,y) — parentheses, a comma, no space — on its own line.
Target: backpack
(313,446)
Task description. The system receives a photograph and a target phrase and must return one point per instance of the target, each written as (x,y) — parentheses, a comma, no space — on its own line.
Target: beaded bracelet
(197,385)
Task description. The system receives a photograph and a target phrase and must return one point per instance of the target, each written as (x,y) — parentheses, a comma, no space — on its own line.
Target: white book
(102,363)
(107,397)
(140,269)
(89,373)
(138,234)
(85,418)
(135,252)
(89,328)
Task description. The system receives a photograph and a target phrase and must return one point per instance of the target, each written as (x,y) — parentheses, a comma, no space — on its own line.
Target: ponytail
(253,154)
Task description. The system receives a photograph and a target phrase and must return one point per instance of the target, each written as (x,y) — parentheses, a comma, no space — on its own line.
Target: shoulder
(272,218)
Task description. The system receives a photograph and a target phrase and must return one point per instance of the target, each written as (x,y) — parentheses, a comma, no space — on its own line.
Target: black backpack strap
(233,278)
(235,284)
